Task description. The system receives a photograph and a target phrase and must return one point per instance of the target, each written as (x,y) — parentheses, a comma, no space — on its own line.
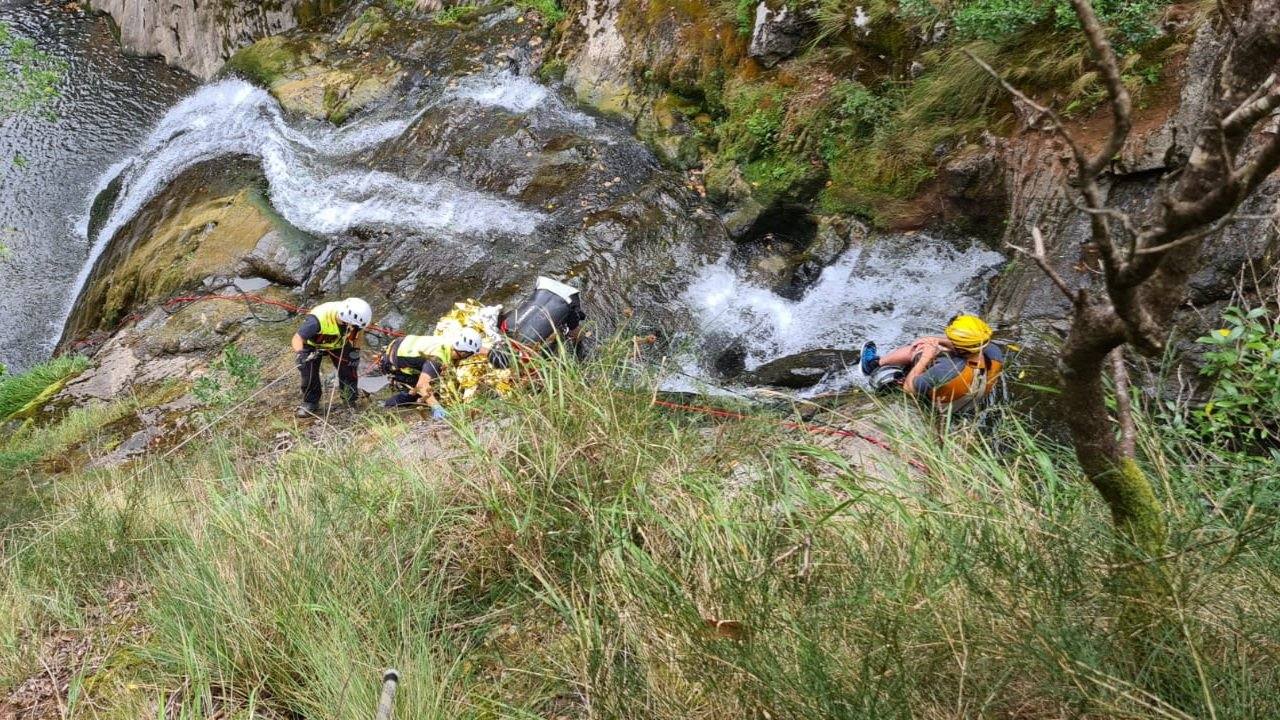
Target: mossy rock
(201,240)
(335,93)
(371,25)
(270,59)
(667,127)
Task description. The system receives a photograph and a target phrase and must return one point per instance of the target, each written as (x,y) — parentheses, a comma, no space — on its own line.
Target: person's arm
(307,331)
(425,391)
(929,349)
(425,387)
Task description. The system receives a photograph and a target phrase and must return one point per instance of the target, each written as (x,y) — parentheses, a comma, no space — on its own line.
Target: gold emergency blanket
(473,376)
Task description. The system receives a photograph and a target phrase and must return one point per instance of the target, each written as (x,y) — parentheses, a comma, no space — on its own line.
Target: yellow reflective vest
(426,347)
(330,337)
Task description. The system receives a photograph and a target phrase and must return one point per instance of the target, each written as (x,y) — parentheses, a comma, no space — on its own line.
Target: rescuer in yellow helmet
(954,371)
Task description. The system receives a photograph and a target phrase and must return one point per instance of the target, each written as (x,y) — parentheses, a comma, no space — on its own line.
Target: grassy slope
(575,552)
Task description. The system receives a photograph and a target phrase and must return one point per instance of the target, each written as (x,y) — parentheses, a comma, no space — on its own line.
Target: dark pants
(348,364)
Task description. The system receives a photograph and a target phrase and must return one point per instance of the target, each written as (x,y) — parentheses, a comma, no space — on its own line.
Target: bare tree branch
(1198,235)
(1055,121)
(1260,104)
(1041,259)
(1121,104)
(1124,405)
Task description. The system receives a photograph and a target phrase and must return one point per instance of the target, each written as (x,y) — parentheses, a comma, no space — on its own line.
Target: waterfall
(311,168)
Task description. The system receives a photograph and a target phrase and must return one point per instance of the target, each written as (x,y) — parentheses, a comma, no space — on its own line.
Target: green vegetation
(575,550)
(31,445)
(550,10)
(231,378)
(883,94)
(1243,366)
(457,14)
(28,77)
(24,392)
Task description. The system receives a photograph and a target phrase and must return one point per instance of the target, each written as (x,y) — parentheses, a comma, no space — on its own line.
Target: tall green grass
(574,551)
(18,391)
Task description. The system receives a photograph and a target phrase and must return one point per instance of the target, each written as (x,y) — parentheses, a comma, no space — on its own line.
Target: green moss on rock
(371,25)
(270,59)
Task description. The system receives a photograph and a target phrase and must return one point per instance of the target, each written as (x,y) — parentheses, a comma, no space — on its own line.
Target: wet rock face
(1036,171)
(199,36)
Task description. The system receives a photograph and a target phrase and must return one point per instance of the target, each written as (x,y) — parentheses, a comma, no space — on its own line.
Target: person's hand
(925,350)
(305,356)
(438,413)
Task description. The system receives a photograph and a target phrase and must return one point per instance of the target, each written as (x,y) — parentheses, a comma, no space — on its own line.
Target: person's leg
(310,372)
(403,384)
(903,356)
(348,364)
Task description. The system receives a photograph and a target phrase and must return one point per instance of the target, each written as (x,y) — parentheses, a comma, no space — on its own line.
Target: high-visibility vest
(425,346)
(330,337)
(975,381)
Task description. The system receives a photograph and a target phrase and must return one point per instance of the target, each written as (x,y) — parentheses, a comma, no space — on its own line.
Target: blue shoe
(870,357)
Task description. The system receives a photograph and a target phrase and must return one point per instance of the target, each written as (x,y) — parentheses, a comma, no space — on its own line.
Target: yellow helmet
(968,333)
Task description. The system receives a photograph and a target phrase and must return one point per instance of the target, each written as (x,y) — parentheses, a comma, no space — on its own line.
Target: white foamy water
(517,94)
(891,290)
(314,181)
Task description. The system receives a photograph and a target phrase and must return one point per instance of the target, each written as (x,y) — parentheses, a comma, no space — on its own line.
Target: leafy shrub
(1131,21)
(858,111)
(1243,363)
(19,391)
(996,19)
(231,379)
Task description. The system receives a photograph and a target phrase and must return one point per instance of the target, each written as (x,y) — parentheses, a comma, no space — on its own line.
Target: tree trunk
(1136,513)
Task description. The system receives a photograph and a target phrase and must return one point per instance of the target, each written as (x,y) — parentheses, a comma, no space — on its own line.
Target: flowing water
(891,289)
(105,104)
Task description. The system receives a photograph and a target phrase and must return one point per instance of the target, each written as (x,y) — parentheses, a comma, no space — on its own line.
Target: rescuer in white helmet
(331,329)
(415,362)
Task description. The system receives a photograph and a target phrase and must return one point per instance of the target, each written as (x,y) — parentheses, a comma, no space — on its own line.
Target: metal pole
(390,678)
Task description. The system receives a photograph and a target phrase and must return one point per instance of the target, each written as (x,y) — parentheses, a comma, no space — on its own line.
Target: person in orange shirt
(955,372)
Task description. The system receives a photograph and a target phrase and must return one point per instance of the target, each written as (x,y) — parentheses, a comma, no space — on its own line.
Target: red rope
(790,425)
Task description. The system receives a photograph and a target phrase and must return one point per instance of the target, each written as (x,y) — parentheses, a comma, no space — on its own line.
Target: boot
(307,409)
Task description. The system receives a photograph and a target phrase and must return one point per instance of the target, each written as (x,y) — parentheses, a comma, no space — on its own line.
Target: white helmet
(466,340)
(355,311)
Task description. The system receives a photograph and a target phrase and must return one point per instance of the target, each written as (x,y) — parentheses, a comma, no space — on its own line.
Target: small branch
(1124,406)
(1121,104)
(1197,235)
(1041,259)
(1260,104)
(1125,221)
(1056,124)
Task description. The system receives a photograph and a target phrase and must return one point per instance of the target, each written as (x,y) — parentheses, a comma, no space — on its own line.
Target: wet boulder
(800,371)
